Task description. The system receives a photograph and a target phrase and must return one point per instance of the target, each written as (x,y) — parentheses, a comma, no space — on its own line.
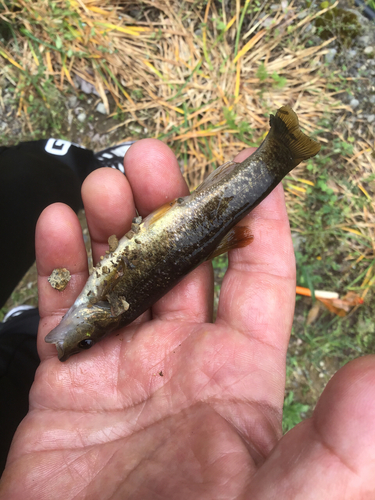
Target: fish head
(80,329)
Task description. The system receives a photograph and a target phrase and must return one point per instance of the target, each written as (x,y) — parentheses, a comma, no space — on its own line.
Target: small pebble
(81,117)
(297,241)
(72,101)
(125,304)
(370,118)
(364,40)
(113,243)
(331,55)
(354,103)
(100,108)
(369,50)
(267,22)
(135,129)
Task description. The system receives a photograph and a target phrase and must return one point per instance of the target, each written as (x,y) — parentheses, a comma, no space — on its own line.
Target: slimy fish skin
(173,240)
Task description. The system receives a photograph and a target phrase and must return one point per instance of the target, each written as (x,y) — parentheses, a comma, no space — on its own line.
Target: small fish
(172,241)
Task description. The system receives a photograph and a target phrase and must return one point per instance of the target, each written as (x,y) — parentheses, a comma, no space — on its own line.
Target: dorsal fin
(215,176)
(285,129)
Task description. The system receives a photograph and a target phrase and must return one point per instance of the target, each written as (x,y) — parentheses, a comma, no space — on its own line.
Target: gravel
(100,108)
(354,103)
(81,117)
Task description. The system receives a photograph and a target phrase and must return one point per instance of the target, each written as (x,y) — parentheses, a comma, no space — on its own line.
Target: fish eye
(85,344)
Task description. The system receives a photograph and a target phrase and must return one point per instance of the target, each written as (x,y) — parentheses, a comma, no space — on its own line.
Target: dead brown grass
(186,72)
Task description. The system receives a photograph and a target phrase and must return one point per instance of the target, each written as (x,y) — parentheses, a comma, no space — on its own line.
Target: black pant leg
(18,362)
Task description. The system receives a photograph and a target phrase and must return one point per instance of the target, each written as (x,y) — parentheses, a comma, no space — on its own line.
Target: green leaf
(292,413)
(279,81)
(262,72)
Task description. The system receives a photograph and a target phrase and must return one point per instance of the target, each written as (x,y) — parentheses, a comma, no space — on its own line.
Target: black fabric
(31,178)
(18,362)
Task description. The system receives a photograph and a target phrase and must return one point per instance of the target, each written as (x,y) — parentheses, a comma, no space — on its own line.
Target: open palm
(175,406)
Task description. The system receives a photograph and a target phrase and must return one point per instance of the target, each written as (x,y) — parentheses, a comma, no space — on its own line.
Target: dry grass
(193,76)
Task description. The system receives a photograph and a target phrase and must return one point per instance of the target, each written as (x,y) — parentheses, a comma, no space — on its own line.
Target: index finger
(58,244)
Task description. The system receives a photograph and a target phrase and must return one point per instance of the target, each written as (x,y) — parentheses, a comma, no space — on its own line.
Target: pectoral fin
(118,304)
(238,237)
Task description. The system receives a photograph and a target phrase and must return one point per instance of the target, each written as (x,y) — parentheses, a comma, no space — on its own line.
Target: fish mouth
(62,355)
(60,348)
(52,338)
(57,337)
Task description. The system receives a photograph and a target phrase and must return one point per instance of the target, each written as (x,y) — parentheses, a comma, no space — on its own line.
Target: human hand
(175,406)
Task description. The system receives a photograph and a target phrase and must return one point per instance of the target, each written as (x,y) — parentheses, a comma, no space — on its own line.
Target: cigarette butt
(319,294)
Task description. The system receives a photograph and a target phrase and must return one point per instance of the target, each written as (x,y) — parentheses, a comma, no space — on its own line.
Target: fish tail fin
(285,129)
